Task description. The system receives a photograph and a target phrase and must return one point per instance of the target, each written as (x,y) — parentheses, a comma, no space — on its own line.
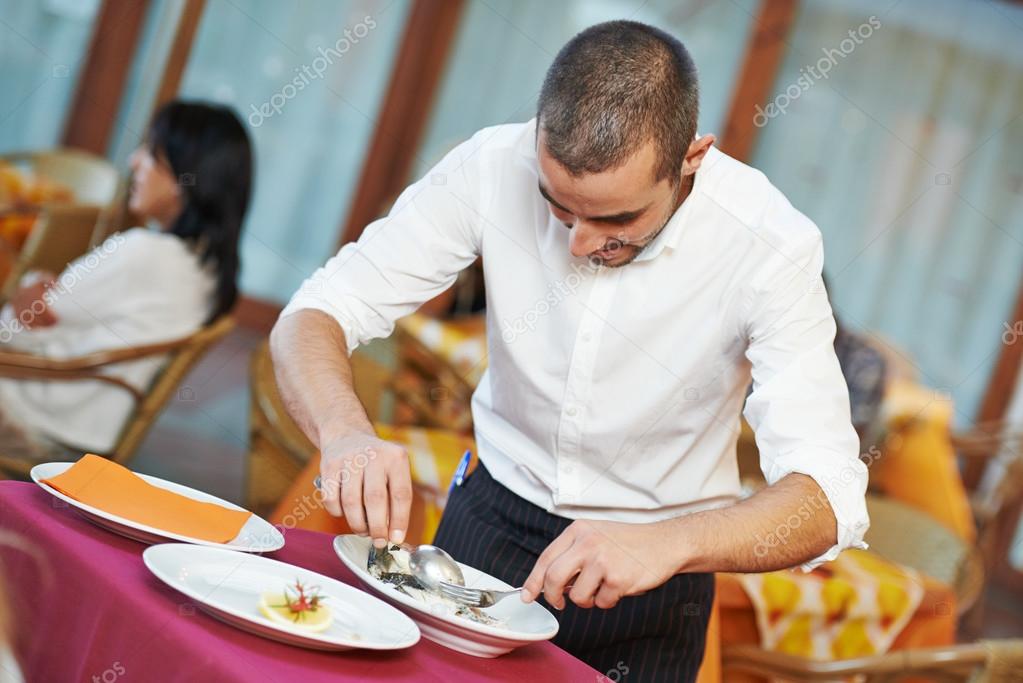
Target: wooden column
(181,48)
(97,98)
(1000,387)
(429,33)
(764,54)
(1000,390)
(1002,383)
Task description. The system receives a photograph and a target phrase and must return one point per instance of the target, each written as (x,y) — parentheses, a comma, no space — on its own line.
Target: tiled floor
(202,437)
(201,441)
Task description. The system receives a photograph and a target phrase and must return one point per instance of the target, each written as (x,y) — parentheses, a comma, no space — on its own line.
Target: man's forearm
(780,526)
(315,377)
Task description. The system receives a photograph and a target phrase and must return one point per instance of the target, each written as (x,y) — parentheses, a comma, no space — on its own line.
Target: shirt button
(571,411)
(587,336)
(567,469)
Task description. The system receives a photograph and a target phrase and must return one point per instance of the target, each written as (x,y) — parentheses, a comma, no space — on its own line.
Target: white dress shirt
(138,287)
(615,393)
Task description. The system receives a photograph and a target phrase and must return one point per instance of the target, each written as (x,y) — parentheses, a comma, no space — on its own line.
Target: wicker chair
(61,234)
(278,450)
(429,390)
(182,356)
(995,661)
(902,534)
(995,451)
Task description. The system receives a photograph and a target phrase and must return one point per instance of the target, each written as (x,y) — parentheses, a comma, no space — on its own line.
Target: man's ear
(698,149)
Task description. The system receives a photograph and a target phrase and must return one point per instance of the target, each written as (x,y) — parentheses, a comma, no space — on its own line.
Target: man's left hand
(608,560)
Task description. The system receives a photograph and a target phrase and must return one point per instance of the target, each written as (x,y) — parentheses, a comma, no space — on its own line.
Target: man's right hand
(365,477)
(369,480)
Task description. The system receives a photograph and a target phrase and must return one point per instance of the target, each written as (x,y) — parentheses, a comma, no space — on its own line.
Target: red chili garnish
(305,599)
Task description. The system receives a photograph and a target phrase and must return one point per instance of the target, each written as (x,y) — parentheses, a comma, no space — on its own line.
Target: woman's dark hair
(209,152)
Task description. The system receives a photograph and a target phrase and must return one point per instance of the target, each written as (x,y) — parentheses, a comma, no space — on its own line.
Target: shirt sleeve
(433,231)
(799,406)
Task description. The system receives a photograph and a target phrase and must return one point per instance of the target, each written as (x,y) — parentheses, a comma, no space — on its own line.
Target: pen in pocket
(463,466)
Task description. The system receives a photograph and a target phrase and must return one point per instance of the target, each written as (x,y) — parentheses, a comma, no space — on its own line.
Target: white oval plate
(523,623)
(228,584)
(257,536)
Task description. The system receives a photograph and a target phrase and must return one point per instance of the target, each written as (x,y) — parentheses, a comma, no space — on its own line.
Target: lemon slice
(274,606)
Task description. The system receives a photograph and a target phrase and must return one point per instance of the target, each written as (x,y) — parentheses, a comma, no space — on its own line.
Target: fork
(475,597)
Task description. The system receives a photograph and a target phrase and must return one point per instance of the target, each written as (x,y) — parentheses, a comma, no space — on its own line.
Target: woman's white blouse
(138,287)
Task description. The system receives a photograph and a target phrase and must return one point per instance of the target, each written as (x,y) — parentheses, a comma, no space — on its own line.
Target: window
(308,79)
(42,47)
(903,146)
(503,50)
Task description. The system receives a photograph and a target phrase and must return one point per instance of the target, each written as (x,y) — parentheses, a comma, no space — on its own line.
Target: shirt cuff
(843,482)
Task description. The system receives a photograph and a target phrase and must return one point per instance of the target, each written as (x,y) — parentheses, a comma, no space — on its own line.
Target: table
(85,606)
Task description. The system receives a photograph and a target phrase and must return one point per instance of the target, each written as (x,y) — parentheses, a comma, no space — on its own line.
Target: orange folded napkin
(110,487)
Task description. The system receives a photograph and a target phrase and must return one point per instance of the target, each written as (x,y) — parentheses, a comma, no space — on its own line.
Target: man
(635,277)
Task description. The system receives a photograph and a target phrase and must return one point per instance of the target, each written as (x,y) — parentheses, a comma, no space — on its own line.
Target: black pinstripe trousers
(657,636)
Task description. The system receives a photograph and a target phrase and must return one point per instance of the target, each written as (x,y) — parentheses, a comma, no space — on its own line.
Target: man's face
(614,214)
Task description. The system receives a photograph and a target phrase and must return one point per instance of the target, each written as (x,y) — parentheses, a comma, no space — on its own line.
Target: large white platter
(257,536)
(523,623)
(228,585)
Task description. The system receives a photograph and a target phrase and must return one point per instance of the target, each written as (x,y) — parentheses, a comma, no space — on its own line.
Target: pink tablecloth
(86,608)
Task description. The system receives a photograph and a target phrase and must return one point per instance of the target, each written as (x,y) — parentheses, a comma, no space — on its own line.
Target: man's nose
(584,240)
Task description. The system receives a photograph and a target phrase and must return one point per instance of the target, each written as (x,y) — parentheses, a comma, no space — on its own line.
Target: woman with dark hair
(191,182)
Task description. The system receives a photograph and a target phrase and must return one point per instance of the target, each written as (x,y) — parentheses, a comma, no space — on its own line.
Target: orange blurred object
(918,465)
(22,196)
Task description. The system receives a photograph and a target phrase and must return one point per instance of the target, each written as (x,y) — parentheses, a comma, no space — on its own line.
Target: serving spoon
(435,570)
(432,567)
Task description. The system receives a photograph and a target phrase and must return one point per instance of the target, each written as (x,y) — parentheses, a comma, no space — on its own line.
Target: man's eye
(620,221)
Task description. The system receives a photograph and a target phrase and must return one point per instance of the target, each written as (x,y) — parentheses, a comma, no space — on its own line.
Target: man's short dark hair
(612,88)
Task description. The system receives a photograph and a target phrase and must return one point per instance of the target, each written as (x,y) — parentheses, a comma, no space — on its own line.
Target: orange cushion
(918,464)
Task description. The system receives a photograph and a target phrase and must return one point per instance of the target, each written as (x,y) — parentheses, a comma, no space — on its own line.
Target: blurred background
(896,125)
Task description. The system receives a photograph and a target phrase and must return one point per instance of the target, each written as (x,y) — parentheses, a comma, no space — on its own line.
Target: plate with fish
(489,632)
